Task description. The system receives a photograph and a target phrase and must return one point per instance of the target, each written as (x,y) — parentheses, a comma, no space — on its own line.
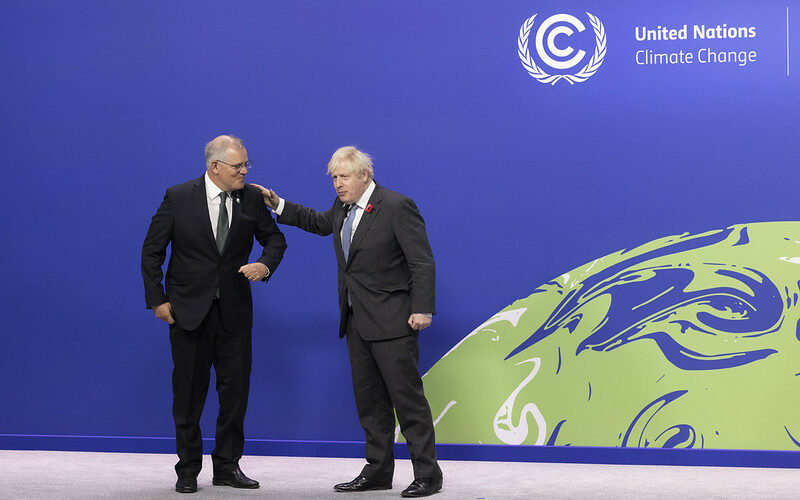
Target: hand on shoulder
(271,198)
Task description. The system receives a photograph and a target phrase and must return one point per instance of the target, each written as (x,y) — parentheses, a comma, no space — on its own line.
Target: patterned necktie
(222,221)
(347,230)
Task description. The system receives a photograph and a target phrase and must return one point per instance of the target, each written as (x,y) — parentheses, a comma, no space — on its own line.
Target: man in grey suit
(386,296)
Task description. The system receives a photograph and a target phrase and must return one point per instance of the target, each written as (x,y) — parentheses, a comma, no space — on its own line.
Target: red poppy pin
(369,208)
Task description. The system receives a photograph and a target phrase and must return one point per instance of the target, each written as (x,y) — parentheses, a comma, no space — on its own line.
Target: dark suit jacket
(196,269)
(390,271)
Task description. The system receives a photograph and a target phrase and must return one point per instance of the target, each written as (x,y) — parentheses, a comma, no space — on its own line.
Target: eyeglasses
(239,166)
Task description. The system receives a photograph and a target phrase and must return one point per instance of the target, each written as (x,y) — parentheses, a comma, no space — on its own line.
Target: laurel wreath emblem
(591,67)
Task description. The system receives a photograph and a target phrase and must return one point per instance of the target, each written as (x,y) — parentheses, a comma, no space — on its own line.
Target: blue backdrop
(106,104)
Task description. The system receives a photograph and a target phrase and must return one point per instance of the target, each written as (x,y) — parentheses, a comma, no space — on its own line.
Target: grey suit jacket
(390,271)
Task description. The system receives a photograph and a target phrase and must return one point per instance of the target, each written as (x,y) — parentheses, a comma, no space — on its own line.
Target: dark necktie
(347,230)
(222,221)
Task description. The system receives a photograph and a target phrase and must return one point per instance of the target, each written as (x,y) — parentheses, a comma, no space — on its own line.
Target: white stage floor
(73,475)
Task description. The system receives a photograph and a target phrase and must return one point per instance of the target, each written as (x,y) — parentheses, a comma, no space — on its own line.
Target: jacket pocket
(179,279)
(395,288)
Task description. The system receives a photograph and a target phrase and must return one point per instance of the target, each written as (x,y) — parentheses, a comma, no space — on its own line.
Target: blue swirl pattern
(656,303)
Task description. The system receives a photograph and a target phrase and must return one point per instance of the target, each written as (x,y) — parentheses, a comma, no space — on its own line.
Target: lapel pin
(369,208)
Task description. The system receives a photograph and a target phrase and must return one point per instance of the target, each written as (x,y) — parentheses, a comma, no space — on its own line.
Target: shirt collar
(212,190)
(362,202)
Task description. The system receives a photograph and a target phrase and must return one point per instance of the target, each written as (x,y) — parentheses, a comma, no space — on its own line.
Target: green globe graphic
(688,341)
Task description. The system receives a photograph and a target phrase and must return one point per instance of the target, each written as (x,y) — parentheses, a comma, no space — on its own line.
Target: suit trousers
(386,379)
(193,354)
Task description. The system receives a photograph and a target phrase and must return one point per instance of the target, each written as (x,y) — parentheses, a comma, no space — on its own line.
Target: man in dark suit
(208,303)
(386,295)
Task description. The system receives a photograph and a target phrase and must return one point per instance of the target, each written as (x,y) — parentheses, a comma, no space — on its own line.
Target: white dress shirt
(213,199)
(359,207)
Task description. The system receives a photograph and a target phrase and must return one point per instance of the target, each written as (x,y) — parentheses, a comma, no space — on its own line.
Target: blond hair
(358,161)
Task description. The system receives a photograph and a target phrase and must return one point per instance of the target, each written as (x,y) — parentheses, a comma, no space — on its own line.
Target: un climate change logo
(566,25)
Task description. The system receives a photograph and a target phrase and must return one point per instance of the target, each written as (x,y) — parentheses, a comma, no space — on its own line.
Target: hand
(255,271)
(271,198)
(419,321)
(164,312)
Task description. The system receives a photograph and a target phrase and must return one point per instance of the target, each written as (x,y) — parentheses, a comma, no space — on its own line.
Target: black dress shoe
(363,484)
(186,485)
(235,478)
(423,487)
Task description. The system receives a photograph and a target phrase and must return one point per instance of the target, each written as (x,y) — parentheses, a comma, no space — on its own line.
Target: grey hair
(358,161)
(215,148)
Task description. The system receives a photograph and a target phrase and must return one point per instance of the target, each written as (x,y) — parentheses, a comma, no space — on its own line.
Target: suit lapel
(201,210)
(366,219)
(338,222)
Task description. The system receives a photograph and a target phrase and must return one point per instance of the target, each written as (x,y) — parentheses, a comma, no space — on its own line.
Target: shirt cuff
(279,209)
(430,315)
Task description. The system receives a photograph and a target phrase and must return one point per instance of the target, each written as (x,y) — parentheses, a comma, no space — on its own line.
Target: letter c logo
(558,30)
